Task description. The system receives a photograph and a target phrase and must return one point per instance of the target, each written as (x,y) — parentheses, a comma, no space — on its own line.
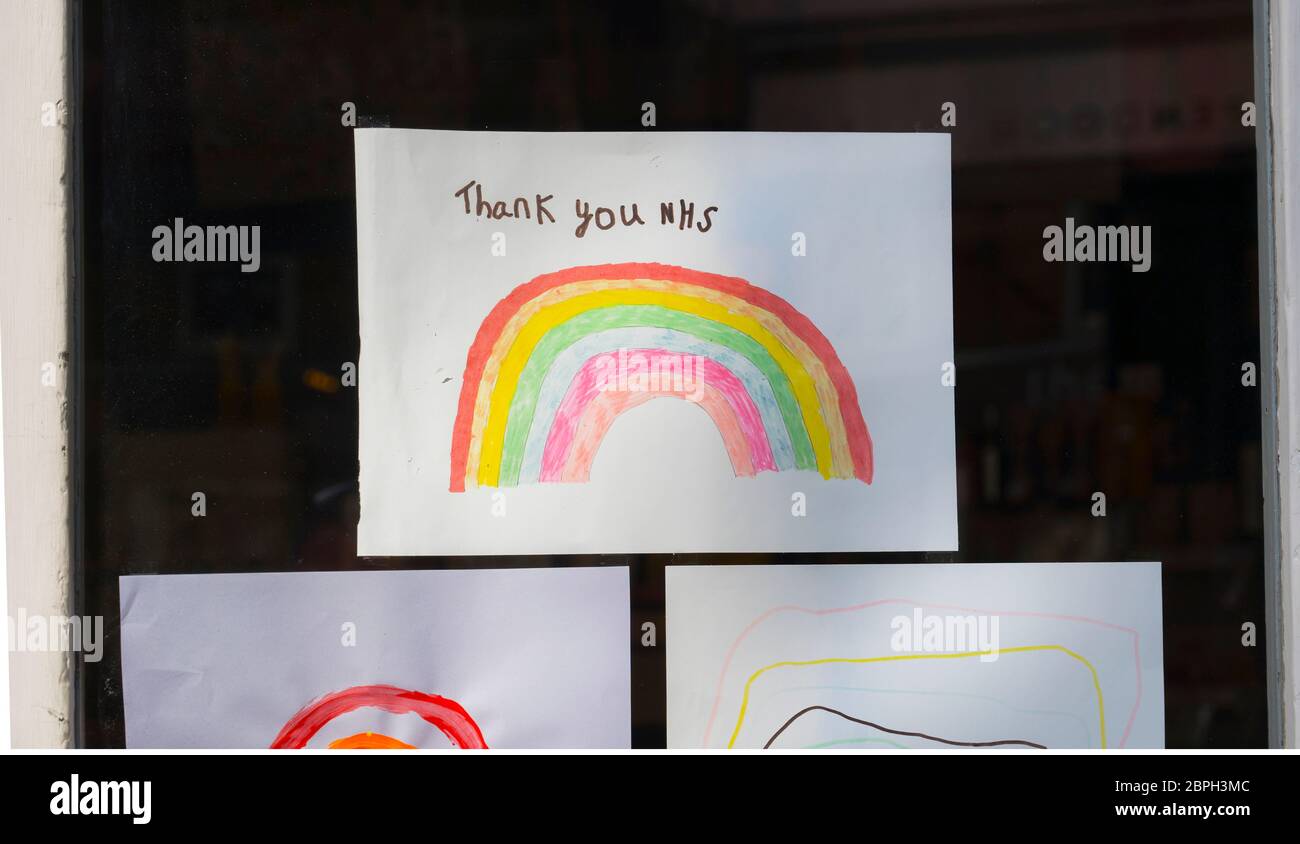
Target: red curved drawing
(444,713)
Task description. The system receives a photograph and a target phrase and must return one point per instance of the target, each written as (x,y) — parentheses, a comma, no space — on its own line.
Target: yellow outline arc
(1096,682)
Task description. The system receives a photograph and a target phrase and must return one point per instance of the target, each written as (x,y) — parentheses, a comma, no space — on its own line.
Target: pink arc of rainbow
(607,407)
(742,428)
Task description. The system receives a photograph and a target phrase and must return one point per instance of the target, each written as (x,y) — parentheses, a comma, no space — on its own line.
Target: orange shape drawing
(370,741)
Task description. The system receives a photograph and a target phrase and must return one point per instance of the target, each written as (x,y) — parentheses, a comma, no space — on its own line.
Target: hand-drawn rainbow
(531,411)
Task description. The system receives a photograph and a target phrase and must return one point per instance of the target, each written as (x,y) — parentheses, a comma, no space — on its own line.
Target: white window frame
(35,244)
(1277,91)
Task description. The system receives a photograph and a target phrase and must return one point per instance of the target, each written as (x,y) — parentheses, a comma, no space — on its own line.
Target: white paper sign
(499,658)
(1015,655)
(527,299)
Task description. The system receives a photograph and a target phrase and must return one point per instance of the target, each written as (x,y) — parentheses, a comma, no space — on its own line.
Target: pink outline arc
(731,652)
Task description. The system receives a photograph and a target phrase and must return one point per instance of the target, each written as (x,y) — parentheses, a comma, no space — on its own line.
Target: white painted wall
(34,251)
